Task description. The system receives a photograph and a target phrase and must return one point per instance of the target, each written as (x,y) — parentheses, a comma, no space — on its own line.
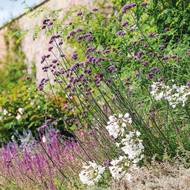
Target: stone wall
(34,49)
(2,44)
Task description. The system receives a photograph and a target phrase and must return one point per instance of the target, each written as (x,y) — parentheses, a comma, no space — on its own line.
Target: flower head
(91,173)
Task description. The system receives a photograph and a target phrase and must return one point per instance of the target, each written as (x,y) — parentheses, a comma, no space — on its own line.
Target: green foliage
(12,67)
(153,48)
(25,108)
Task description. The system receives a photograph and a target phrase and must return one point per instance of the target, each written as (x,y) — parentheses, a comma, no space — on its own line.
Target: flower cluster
(130,144)
(91,173)
(20,113)
(117,167)
(128,6)
(174,95)
(117,124)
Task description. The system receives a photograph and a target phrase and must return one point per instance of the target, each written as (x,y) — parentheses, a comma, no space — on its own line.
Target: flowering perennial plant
(91,173)
(118,168)
(117,124)
(130,144)
(175,95)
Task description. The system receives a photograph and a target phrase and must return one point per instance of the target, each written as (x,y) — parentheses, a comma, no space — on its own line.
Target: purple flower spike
(60,43)
(50,48)
(43,59)
(54,61)
(72,33)
(154,70)
(94,9)
(145,63)
(50,24)
(75,56)
(139,54)
(150,76)
(144,4)
(79,13)
(90,49)
(79,30)
(48,55)
(43,27)
(188,84)
(112,69)
(128,6)
(125,24)
(120,33)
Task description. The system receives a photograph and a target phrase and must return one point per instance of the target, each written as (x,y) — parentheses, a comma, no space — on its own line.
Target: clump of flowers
(117,124)
(91,173)
(131,151)
(19,114)
(173,94)
(132,146)
(118,166)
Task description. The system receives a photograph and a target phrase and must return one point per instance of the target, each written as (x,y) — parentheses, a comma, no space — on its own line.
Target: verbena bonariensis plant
(106,52)
(52,162)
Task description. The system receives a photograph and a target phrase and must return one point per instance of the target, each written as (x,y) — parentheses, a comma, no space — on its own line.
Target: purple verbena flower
(144,4)
(75,56)
(120,33)
(112,68)
(188,84)
(150,76)
(79,13)
(125,24)
(50,48)
(128,6)
(95,9)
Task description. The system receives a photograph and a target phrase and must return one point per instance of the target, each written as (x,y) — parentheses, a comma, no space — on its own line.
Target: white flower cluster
(129,143)
(117,124)
(174,95)
(132,146)
(117,167)
(91,173)
(20,113)
(132,152)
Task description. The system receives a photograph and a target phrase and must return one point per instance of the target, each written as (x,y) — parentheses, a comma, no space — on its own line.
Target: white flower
(116,125)
(132,147)
(18,117)
(120,115)
(44,140)
(138,133)
(114,130)
(21,110)
(91,173)
(19,114)
(112,119)
(5,112)
(174,95)
(117,168)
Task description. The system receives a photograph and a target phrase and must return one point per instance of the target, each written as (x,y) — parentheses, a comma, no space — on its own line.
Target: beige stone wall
(34,49)
(2,44)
